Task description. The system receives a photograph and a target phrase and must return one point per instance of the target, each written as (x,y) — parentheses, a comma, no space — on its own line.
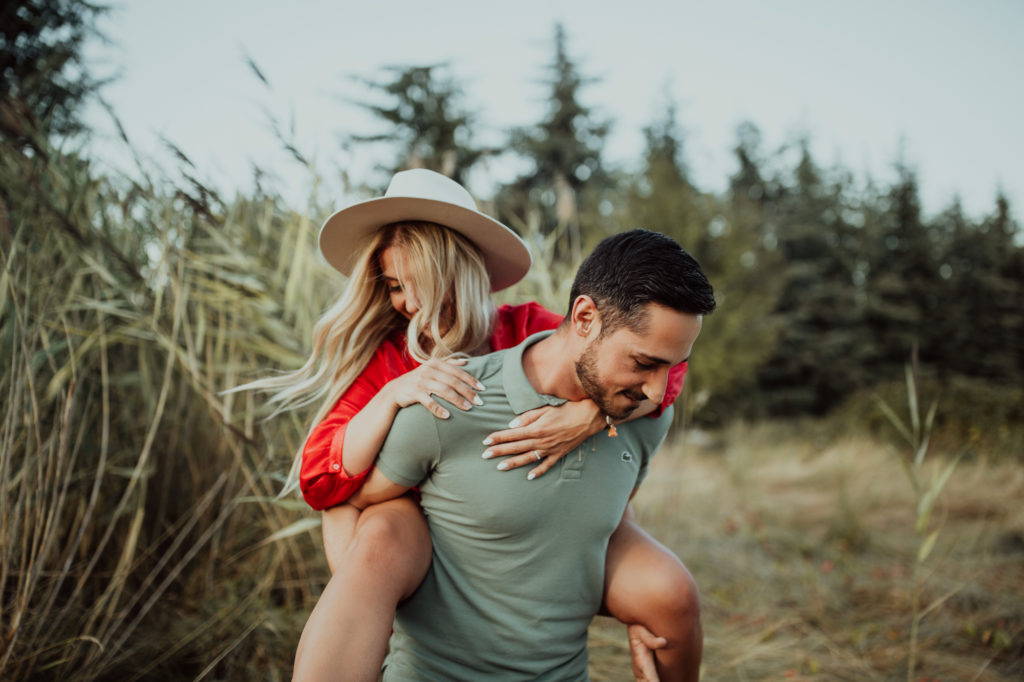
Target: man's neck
(549,368)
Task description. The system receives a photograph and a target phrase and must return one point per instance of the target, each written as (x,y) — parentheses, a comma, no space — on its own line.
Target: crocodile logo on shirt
(626,456)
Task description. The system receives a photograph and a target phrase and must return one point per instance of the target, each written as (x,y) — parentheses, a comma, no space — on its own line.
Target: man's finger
(644,669)
(642,644)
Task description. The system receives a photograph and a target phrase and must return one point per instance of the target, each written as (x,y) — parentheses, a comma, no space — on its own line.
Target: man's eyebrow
(659,361)
(652,359)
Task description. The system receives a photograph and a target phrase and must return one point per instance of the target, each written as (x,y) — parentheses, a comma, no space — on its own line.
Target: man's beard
(586,371)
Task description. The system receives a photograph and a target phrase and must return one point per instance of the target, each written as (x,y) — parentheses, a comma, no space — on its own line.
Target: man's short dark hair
(627,271)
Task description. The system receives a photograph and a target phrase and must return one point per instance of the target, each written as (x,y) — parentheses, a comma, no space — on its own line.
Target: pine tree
(818,357)
(661,197)
(567,177)
(43,79)
(904,283)
(981,309)
(425,119)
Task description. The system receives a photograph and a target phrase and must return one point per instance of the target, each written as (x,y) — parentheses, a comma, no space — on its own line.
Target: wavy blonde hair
(452,287)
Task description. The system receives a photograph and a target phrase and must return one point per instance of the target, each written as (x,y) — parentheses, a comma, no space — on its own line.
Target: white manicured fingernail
(503,466)
(488,441)
(530,476)
(480,387)
(476,399)
(487,454)
(514,423)
(445,414)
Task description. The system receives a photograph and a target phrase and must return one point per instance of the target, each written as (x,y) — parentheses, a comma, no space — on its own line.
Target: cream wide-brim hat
(421,194)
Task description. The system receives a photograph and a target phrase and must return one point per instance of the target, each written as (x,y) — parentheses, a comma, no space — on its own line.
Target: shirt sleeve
(412,448)
(513,323)
(659,430)
(676,375)
(322,477)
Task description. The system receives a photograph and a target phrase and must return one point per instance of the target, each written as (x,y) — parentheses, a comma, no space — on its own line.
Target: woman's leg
(338,527)
(647,584)
(385,560)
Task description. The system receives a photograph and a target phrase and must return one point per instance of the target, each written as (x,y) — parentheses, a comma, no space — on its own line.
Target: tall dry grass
(137,503)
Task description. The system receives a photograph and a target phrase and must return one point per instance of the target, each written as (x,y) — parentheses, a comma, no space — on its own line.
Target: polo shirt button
(335,466)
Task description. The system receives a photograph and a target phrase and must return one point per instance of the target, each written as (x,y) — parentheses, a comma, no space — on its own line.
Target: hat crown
(420,183)
(424,195)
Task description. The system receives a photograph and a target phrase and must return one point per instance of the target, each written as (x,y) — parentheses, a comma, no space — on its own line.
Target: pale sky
(939,80)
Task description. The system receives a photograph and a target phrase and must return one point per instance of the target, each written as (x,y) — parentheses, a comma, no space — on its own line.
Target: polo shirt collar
(522,396)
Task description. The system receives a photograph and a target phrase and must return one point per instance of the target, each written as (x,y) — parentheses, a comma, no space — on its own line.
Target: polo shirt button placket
(572,465)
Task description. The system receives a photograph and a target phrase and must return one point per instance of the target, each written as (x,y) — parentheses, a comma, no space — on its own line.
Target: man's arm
(405,459)
(378,488)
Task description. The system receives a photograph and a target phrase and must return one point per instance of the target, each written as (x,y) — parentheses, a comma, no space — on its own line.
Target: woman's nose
(411,305)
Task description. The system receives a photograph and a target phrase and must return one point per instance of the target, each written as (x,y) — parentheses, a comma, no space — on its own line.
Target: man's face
(620,370)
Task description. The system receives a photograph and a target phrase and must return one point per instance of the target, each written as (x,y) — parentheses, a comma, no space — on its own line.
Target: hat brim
(344,234)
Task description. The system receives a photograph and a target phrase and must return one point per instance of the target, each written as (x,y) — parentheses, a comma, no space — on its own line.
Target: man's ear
(586,320)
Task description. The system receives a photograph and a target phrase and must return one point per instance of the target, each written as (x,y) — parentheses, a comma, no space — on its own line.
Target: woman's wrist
(388,397)
(597,419)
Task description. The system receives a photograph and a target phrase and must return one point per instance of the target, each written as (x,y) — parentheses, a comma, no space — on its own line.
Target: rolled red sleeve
(322,477)
(676,375)
(513,323)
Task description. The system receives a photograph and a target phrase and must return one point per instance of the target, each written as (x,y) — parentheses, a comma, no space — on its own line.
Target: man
(518,566)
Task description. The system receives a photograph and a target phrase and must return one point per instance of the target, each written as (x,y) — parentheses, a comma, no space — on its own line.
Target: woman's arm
(369,427)
(390,380)
(545,435)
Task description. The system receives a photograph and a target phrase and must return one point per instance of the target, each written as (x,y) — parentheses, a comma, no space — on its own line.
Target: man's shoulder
(488,365)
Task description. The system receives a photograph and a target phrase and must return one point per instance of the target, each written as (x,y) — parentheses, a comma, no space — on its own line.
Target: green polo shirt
(518,566)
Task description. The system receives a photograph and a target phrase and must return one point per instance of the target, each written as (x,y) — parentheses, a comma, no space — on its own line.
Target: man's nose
(655,387)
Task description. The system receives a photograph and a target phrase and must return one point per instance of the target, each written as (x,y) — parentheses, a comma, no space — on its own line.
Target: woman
(418,293)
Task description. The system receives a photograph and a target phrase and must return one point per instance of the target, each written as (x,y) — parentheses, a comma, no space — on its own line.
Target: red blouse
(322,478)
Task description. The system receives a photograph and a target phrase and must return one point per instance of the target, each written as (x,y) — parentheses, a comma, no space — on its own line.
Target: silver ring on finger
(536,453)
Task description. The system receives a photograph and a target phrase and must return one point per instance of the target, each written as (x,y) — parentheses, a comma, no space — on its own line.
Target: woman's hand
(443,378)
(545,435)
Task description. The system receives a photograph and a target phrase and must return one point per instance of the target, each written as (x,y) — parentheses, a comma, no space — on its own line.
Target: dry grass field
(804,546)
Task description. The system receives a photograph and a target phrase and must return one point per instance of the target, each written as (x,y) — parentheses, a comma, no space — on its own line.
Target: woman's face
(396,269)
(394,266)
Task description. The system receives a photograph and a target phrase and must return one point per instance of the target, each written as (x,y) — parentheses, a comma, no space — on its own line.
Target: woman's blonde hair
(452,288)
